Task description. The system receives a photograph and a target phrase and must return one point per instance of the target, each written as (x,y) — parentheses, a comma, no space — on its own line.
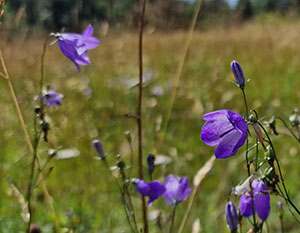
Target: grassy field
(95,102)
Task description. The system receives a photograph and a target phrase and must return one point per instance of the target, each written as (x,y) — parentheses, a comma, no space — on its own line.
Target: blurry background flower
(153,189)
(177,190)
(74,46)
(52,98)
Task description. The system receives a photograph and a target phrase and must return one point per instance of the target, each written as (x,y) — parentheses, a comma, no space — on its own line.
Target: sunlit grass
(97,99)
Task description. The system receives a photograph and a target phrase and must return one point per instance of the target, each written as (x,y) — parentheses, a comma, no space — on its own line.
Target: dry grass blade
(200,175)
(196,226)
(179,70)
(13,191)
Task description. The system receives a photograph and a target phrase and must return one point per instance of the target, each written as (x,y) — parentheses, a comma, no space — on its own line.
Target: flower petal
(171,185)
(156,190)
(143,187)
(227,145)
(261,200)
(216,125)
(183,190)
(88,31)
(246,205)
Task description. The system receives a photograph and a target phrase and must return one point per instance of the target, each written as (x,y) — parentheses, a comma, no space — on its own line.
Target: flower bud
(128,136)
(272,125)
(151,163)
(231,216)
(238,74)
(269,154)
(120,163)
(279,207)
(294,119)
(99,149)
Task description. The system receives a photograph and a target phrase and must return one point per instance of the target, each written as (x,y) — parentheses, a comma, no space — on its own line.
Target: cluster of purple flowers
(74,46)
(228,131)
(174,190)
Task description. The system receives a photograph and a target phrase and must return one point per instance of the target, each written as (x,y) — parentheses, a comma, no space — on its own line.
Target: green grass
(85,197)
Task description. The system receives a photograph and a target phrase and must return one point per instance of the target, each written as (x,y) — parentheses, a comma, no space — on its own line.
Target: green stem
(281,225)
(173,218)
(287,127)
(280,173)
(246,104)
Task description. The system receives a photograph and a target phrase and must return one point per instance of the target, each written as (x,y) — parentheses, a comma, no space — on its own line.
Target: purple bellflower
(153,189)
(231,216)
(52,98)
(238,73)
(260,198)
(177,190)
(227,130)
(74,46)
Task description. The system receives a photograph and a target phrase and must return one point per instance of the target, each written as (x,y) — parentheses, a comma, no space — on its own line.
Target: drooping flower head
(99,149)
(177,190)
(153,189)
(238,73)
(227,130)
(231,216)
(74,46)
(260,198)
(52,98)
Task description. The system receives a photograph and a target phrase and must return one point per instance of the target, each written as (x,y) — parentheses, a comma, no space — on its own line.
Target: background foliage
(96,100)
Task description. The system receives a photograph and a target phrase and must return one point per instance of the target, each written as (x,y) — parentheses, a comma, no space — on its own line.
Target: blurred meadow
(96,102)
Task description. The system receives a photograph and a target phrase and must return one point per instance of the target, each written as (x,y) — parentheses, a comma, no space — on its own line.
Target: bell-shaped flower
(52,98)
(260,198)
(177,190)
(227,130)
(153,189)
(231,216)
(74,46)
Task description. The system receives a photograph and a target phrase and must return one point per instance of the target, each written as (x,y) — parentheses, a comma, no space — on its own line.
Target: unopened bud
(272,125)
(120,163)
(238,74)
(151,163)
(269,154)
(294,120)
(128,136)
(279,207)
(231,216)
(99,149)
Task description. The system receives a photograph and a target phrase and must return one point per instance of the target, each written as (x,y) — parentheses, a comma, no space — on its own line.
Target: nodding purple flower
(153,189)
(260,198)
(227,130)
(177,190)
(74,46)
(99,149)
(231,216)
(238,73)
(52,98)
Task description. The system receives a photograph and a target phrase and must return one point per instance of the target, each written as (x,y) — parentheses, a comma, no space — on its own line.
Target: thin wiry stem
(287,127)
(139,110)
(280,173)
(173,218)
(179,72)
